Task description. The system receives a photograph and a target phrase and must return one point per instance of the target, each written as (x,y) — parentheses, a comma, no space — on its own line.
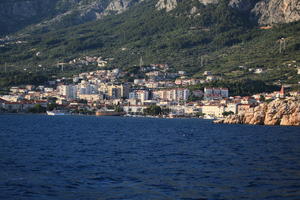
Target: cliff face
(277,11)
(263,11)
(169,5)
(278,112)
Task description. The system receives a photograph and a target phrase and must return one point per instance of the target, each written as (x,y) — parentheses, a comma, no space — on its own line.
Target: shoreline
(216,121)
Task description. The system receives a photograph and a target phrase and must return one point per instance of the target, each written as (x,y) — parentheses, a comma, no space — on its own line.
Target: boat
(209,117)
(109,113)
(55,112)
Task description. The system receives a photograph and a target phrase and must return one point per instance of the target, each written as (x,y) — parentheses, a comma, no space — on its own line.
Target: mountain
(50,14)
(231,38)
(263,11)
(53,14)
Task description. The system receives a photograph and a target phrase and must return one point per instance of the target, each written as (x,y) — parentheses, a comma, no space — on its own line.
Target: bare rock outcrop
(277,11)
(169,5)
(277,112)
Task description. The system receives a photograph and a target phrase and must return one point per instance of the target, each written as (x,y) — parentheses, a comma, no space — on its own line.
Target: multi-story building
(141,95)
(87,88)
(213,110)
(215,93)
(118,91)
(69,91)
(176,94)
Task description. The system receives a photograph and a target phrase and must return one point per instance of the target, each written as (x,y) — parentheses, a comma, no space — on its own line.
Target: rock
(242,5)
(264,12)
(205,2)
(168,5)
(277,112)
(119,6)
(276,11)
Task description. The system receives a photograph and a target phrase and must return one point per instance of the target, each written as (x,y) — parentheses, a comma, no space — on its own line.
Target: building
(207,73)
(176,94)
(141,95)
(91,97)
(215,93)
(139,81)
(134,109)
(87,88)
(259,71)
(118,91)
(282,92)
(213,110)
(68,91)
(232,107)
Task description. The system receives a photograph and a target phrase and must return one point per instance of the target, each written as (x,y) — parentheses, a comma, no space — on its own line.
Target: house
(91,97)
(211,78)
(216,110)
(207,73)
(12,98)
(139,81)
(258,71)
(2,102)
(232,107)
(248,100)
(181,73)
(177,110)
(134,109)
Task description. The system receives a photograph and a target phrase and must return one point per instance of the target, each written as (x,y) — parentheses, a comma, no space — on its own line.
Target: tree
(262,98)
(52,106)
(118,108)
(37,108)
(153,110)
(225,114)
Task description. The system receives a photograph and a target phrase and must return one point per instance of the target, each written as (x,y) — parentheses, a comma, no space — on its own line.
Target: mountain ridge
(52,14)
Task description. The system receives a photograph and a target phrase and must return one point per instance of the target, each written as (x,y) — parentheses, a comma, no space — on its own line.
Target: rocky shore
(277,112)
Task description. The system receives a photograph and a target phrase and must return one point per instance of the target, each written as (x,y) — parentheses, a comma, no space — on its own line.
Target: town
(158,93)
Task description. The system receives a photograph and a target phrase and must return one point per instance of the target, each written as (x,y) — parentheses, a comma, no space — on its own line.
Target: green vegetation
(244,87)
(37,109)
(224,38)
(153,110)
(225,114)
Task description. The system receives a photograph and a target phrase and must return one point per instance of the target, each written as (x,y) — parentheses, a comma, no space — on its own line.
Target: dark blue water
(94,158)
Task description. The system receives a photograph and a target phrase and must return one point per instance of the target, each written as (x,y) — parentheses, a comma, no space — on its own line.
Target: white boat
(55,112)
(208,117)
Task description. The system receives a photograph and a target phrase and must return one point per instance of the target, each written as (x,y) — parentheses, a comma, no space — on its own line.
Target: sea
(117,158)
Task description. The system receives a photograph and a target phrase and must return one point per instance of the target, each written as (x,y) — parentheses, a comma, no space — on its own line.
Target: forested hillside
(221,39)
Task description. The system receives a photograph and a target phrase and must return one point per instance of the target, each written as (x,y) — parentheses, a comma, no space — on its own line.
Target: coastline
(278,112)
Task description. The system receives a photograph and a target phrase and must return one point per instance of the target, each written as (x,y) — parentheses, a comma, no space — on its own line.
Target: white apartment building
(69,91)
(215,93)
(177,94)
(141,95)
